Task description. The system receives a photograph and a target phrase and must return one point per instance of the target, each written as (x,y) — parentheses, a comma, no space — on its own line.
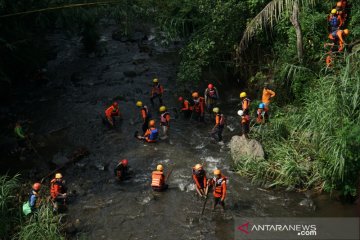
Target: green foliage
(8,212)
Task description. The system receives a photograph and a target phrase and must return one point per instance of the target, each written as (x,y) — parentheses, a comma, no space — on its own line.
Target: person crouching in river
(199,176)
(151,135)
(112,112)
(158,179)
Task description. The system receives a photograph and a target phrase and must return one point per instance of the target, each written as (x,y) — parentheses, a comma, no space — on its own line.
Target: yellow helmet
(139,103)
(58,175)
(333,11)
(155,80)
(346,31)
(195,94)
(162,109)
(242,94)
(217,172)
(159,167)
(198,166)
(216,110)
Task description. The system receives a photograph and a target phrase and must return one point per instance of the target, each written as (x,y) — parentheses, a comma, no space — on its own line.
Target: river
(81,86)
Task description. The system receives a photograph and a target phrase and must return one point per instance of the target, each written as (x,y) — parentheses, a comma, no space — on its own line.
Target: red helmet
(124,162)
(115,104)
(36,186)
(210,86)
(181,99)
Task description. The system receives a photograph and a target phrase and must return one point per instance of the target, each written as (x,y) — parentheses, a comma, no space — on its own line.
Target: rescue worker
(245,123)
(121,171)
(199,177)
(58,191)
(334,20)
(112,112)
(185,107)
(218,182)
(156,92)
(145,115)
(34,196)
(245,103)
(164,121)
(198,107)
(261,114)
(211,96)
(341,11)
(158,179)
(151,135)
(267,95)
(338,38)
(217,130)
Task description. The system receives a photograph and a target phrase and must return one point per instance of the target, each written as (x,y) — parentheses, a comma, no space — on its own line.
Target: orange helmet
(152,123)
(125,162)
(198,166)
(346,31)
(181,99)
(195,94)
(339,4)
(36,186)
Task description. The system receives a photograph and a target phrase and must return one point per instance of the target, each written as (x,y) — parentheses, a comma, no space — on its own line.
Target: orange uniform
(157,180)
(266,95)
(157,90)
(245,104)
(337,36)
(151,135)
(219,187)
(199,177)
(199,105)
(56,188)
(112,112)
(185,106)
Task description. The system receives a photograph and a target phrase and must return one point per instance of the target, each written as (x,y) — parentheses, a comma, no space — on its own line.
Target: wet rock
(76,77)
(129,73)
(140,58)
(59,159)
(100,166)
(70,228)
(308,203)
(240,147)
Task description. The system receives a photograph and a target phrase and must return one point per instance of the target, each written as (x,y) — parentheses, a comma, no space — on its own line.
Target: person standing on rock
(199,177)
(145,115)
(158,179)
(164,121)
(112,112)
(58,191)
(217,130)
(245,103)
(185,107)
(218,183)
(157,91)
(211,96)
(198,107)
(121,171)
(245,123)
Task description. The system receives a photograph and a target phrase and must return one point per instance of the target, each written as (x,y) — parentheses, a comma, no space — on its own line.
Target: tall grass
(315,144)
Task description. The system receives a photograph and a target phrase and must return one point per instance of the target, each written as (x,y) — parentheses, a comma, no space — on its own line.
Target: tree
(269,16)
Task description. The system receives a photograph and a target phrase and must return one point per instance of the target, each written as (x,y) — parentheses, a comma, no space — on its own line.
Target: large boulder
(240,147)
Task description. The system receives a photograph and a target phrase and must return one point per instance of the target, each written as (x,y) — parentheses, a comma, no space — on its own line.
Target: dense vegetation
(316,114)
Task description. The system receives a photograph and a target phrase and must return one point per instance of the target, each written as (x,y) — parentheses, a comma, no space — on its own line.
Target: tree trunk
(299,38)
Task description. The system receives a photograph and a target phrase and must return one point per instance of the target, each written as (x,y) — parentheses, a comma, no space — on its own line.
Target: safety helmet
(180,99)
(217,172)
(242,94)
(210,86)
(58,175)
(262,105)
(155,80)
(115,104)
(333,11)
(198,166)
(162,109)
(346,31)
(195,94)
(152,123)
(240,112)
(36,186)
(216,110)
(124,162)
(159,167)
(339,4)
(139,103)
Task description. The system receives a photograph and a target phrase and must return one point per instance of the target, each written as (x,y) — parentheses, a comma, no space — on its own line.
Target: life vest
(199,177)
(111,112)
(334,22)
(56,188)
(221,119)
(260,115)
(218,188)
(185,105)
(157,179)
(245,104)
(211,93)
(163,120)
(153,134)
(245,119)
(198,105)
(157,89)
(146,110)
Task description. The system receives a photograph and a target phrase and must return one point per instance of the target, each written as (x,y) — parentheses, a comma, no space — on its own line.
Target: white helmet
(240,112)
